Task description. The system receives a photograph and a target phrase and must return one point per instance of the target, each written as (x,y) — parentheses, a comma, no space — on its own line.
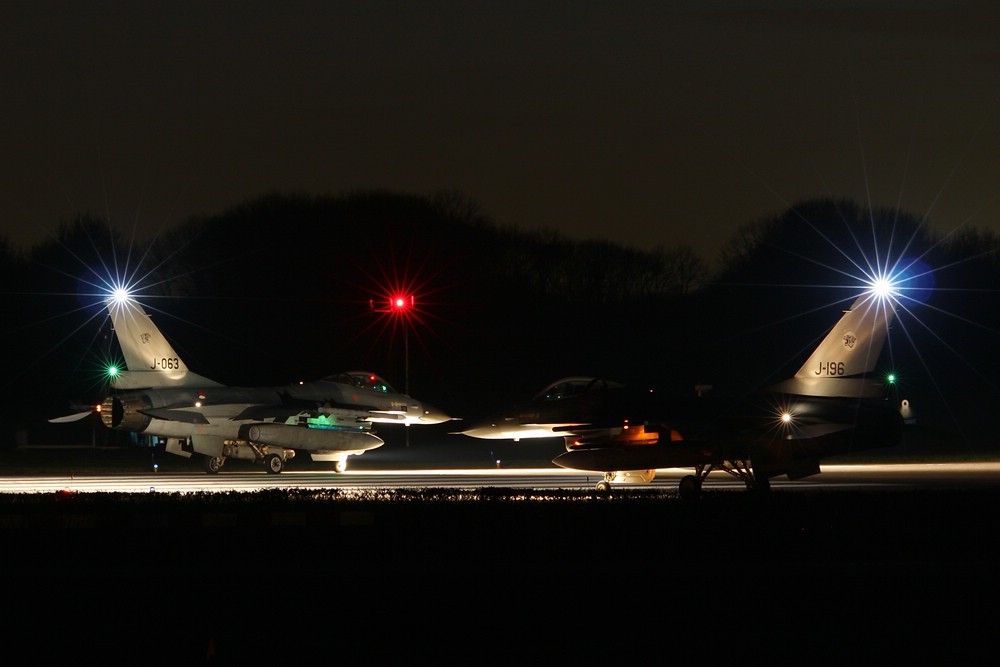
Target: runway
(871,476)
(838,563)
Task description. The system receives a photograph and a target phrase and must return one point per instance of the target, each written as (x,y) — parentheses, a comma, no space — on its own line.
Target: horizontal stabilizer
(71,418)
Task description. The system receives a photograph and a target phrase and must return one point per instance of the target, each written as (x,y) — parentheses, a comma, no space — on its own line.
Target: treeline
(291,286)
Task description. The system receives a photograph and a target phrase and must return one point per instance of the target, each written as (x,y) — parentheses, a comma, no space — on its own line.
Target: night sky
(650,124)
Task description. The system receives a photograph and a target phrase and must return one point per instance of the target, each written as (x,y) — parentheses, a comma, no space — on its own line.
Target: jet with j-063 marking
(832,405)
(158,395)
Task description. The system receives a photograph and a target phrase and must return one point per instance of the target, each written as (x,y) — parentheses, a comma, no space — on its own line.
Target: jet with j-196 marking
(832,405)
(158,395)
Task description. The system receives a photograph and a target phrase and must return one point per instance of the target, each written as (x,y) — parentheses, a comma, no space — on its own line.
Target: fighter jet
(331,418)
(832,405)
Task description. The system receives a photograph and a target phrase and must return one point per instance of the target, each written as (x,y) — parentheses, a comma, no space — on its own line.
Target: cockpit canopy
(574,386)
(362,380)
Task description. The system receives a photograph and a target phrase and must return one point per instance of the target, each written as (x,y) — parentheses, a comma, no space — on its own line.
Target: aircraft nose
(432,415)
(483,430)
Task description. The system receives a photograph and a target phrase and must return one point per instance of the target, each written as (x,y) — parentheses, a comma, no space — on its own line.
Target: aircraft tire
(213,464)
(273,464)
(689,487)
(339,466)
(603,486)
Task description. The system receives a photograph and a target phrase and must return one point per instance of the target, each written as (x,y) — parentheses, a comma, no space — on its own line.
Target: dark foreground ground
(832,577)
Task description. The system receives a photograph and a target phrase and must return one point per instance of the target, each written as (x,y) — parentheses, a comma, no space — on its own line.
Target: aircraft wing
(326,405)
(272,412)
(387,414)
(571,429)
(818,430)
(683,454)
(292,406)
(184,416)
(352,416)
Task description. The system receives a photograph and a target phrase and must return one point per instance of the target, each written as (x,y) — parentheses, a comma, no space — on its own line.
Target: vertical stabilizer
(151,360)
(842,364)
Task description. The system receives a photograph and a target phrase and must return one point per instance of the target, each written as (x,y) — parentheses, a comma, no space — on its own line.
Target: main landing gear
(213,464)
(689,487)
(274,462)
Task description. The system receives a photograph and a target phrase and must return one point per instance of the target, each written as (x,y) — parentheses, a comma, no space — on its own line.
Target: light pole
(400,308)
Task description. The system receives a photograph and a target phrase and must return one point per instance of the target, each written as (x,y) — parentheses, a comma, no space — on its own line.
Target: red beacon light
(401,302)
(395,304)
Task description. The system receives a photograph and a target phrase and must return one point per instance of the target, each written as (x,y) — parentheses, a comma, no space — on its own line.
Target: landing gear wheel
(339,466)
(690,487)
(213,464)
(273,464)
(603,486)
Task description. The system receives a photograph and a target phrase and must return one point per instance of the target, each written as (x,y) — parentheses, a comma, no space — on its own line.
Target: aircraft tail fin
(842,364)
(151,360)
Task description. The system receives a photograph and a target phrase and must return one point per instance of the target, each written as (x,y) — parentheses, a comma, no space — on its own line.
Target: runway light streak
(476,484)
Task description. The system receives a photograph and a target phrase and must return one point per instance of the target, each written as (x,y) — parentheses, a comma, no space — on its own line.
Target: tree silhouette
(278,289)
